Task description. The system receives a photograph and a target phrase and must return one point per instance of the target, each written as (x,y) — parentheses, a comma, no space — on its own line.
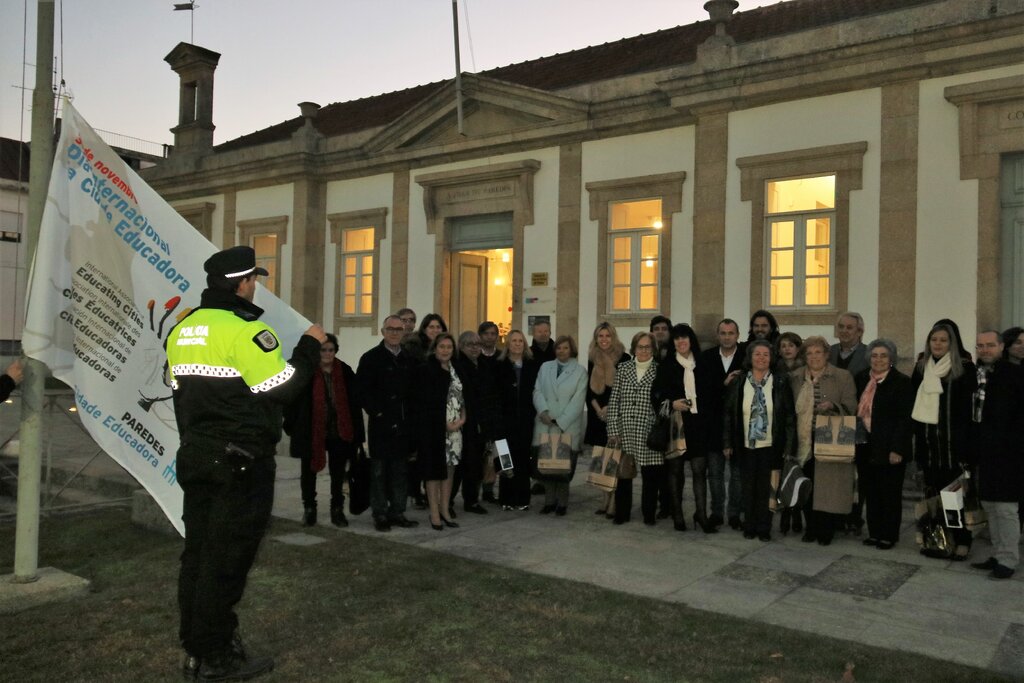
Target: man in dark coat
(384,379)
(543,348)
(998,414)
(477,392)
(849,353)
(724,365)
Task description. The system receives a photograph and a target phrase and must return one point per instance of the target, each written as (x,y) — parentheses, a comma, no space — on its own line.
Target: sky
(277,53)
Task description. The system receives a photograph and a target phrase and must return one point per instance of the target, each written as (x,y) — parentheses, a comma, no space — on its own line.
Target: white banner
(116,268)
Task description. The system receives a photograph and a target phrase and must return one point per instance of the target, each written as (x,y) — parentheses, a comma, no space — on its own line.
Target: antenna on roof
(188,7)
(458,66)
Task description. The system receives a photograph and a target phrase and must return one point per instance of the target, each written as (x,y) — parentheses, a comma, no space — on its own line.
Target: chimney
(195,66)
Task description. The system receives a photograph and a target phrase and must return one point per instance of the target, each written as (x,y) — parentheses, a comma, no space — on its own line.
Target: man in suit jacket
(849,354)
(724,366)
(998,413)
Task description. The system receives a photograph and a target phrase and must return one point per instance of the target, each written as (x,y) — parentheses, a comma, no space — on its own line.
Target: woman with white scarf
(944,384)
(681,382)
(605,354)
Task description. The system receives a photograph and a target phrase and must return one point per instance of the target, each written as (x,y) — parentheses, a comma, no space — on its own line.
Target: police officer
(229,380)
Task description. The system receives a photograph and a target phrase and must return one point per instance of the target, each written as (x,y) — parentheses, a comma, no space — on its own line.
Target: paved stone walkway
(896,599)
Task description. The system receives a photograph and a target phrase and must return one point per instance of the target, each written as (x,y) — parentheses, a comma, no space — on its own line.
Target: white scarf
(926,405)
(689,383)
(642,366)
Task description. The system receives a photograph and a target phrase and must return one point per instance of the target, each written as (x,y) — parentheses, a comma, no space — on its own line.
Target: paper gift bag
(952,498)
(677,437)
(554,455)
(835,438)
(504,456)
(604,468)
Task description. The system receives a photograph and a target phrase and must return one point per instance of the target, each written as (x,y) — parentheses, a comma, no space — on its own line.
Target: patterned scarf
(758,427)
(979,395)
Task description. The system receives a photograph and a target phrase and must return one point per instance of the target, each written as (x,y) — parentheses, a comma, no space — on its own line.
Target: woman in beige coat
(822,389)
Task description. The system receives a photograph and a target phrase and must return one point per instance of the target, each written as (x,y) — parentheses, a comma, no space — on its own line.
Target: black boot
(309,515)
(338,516)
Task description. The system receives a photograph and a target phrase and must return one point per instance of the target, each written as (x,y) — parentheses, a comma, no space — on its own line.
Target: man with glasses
(384,378)
(408,318)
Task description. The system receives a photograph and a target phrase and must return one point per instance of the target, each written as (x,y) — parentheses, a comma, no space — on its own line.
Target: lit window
(265,246)
(801,241)
(357,271)
(635,249)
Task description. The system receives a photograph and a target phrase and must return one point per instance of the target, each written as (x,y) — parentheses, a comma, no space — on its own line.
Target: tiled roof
(647,52)
(9,158)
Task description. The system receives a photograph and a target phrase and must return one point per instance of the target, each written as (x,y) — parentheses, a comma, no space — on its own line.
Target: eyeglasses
(394,330)
(410,319)
(327,350)
(644,347)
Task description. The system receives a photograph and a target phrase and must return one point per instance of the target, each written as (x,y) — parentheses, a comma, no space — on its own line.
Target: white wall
(667,151)
(14,265)
(814,122)
(540,240)
(947,214)
(216,220)
(358,194)
(267,202)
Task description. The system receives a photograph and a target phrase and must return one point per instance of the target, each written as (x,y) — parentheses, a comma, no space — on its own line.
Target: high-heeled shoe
(436,527)
(449,523)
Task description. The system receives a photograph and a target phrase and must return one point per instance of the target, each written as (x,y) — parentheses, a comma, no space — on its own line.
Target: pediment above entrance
(490,108)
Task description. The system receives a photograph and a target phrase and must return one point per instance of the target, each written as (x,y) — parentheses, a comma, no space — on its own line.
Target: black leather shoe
(381,524)
(679,526)
(1001,572)
(716,520)
(749,534)
(765,536)
(476,509)
(449,523)
(987,565)
(403,522)
(704,525)
(734,523)
(547,509)
(338,517)
(798,522)
(488,497)
(664,514)
(190,667)
(309,515)
(451,512)
(808,537)
(561,510)
(233,666)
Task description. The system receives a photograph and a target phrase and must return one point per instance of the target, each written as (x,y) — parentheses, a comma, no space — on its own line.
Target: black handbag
(359,482)
(661,431)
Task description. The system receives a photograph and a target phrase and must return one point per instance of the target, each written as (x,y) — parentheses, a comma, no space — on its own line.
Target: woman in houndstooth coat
(630,416)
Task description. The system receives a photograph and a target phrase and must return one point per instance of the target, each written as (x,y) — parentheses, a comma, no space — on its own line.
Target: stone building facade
(807,157)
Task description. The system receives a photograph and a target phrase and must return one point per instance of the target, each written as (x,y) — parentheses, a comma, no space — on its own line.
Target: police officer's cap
(234,262)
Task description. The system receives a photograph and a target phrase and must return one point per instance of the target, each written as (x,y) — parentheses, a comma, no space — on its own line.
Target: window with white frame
(266,249)
(800,216)
(357,251)
(634,249)
(266,236)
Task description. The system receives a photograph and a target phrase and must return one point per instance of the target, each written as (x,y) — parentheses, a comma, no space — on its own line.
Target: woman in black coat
(337,430)
(944,384)
(759,454)
(885,400)
(515,374)
(680,369)
(440,411)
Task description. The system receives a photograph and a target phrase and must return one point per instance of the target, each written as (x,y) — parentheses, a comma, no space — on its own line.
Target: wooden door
(469,292)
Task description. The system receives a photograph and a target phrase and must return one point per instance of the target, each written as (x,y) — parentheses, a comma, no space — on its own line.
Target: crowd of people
(738,414)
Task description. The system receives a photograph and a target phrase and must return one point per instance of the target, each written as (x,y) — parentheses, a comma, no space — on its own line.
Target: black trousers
(653,486)
(756,468)
(338,454)
(226,513)
(469,472)
(514,490)
(388,487)
(881,491)
(623,500)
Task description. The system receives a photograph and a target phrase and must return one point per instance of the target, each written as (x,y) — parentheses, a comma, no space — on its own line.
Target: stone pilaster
(570,188)
(711,158)
(399,243)
(309,223)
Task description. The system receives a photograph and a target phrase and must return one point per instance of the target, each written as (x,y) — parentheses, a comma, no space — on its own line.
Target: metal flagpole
(26,545)
(458,65)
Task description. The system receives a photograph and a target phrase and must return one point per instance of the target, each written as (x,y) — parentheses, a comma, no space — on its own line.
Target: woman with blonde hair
(605,354)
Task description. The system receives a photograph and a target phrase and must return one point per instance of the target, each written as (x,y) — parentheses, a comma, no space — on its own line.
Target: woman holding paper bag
(944,384)
(606,353)
(630,417)
(515,376)
(559,398)
(886,399)
(822,389)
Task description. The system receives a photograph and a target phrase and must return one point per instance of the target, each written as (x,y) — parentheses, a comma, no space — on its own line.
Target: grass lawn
(364,609)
